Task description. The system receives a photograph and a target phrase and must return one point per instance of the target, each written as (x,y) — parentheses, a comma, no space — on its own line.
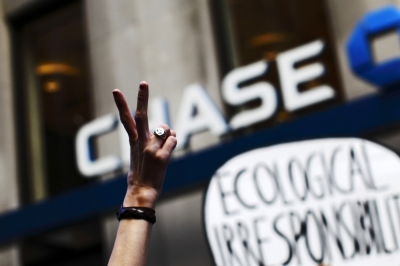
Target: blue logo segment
(359,51)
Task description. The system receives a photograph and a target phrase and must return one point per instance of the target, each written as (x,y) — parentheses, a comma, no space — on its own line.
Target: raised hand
(150,154)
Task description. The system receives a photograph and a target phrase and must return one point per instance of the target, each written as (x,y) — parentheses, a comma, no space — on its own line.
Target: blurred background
(59,62)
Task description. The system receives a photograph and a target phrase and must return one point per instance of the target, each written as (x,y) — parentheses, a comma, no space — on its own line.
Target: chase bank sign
(385,74)
(209,117)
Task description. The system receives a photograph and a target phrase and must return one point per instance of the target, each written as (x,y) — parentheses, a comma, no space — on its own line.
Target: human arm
(149,160)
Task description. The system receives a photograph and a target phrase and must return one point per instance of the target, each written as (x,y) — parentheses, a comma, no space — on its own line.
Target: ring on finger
(160,133)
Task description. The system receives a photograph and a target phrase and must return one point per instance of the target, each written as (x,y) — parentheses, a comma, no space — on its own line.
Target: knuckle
(173,139)
(143,95)
(160,157)
(148,151)
(165,126)
(140,116)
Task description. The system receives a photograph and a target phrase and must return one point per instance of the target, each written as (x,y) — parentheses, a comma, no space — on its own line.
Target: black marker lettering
(347,230)
(272,177)
(248,252)
(224,194)
(328,230)
(285,238)
(219,245)
(292,163)
(259,240)
(280,187)
(296,235)
(236,190)
(371,229)
(355,168)
(317,178)
(311,214)
(332,174)
(228,237)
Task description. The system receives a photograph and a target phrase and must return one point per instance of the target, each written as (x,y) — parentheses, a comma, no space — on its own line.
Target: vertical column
(113,41)
(177,49)
(8,173)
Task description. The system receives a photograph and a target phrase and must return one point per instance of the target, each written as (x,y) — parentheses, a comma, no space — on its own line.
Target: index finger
(125,114)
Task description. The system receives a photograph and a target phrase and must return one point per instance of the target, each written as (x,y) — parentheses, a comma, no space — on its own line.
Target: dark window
(52,98)
(52,101)
(247,31)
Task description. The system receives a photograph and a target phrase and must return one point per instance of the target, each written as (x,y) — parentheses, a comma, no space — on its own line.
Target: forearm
(150,155)
(131,243)
(133,236)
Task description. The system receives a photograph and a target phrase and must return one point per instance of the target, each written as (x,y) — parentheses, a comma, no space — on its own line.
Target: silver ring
(160,132)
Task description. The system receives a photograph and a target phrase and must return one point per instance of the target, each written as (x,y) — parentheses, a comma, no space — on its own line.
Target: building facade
(223,73)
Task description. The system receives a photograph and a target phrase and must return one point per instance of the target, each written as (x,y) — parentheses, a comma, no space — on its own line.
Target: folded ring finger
(160,135)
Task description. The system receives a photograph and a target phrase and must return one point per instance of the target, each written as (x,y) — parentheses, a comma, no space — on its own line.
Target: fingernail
(143,85)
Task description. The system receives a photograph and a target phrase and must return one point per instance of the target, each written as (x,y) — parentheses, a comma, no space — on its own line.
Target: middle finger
(142,124)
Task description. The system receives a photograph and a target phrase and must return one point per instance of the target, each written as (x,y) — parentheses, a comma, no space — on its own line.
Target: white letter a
(198,113)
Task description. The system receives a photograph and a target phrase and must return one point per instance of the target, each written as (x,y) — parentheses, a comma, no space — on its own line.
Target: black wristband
(138,213)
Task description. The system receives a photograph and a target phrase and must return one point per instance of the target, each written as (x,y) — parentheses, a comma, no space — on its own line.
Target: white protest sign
(334,201)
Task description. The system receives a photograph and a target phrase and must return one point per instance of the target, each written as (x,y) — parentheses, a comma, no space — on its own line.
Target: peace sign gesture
(150,153)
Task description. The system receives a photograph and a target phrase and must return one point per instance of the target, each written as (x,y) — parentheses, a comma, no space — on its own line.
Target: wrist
(140,197)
